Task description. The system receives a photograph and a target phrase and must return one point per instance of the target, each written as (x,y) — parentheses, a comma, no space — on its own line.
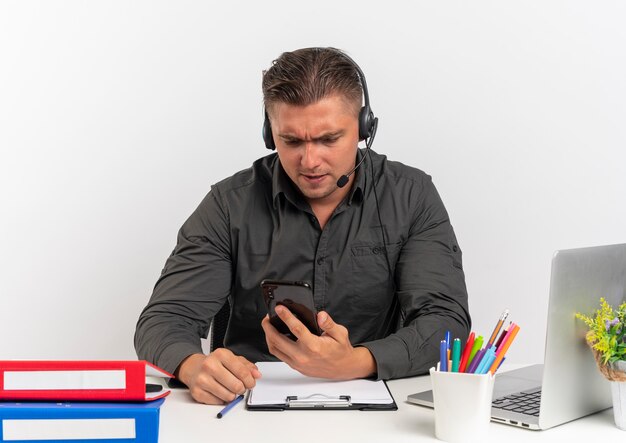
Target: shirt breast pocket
(372,278)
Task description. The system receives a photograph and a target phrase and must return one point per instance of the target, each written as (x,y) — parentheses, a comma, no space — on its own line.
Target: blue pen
(488,363)
(487,360)
(443,356)
(448,341)
(229,406)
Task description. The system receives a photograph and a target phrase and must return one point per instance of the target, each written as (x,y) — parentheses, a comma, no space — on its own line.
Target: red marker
(466,352)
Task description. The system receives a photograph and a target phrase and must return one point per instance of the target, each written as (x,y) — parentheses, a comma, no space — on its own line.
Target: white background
(116,117)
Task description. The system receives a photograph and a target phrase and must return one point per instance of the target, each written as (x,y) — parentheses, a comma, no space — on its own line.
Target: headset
(367,121)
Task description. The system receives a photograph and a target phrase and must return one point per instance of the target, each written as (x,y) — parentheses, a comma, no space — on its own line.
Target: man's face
(316,145)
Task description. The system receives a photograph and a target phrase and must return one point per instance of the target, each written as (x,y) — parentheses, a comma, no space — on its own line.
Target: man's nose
(310,156)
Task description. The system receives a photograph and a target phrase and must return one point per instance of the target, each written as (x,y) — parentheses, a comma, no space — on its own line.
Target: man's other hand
(217,378)
(330,355)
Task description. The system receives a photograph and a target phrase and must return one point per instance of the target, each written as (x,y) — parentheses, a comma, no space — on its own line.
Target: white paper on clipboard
(279,382)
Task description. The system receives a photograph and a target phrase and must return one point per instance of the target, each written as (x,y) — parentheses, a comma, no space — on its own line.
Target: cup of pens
(462,384)
(462,405)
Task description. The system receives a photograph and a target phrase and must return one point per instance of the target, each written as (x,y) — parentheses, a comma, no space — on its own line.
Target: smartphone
(297,296)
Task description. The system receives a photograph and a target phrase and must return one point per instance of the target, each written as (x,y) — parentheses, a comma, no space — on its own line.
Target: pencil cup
(462,405)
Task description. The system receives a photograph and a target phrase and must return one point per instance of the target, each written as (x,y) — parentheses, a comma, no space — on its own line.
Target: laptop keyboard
(526,402)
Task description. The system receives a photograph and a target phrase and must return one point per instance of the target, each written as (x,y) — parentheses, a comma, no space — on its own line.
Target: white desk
(184,420)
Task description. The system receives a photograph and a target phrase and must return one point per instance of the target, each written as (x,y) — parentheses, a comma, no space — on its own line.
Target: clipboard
(282,388)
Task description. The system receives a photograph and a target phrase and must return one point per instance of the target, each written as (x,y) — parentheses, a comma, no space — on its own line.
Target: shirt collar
(282,184)
(358,190)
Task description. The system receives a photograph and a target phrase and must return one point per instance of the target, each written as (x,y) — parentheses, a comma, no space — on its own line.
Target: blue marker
(443,356)
(229,406)
(449,343)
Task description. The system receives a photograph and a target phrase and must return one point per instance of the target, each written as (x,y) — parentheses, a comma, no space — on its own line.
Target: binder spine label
(68,429)
(64,380)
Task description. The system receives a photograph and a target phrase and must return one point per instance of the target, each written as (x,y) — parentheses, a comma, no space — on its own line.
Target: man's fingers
(329,327)
(208,383)
(215,389)
(225,375)
(276,352)
(254,370)
(324,321)
(276,340)
(296,327)
(202,396)
(218,377)
(237,376)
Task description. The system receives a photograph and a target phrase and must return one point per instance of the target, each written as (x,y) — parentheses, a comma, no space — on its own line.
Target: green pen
(478,343)
(456,355)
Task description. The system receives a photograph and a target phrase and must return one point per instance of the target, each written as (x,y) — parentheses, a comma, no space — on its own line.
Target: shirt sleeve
(193,286)
(431,292)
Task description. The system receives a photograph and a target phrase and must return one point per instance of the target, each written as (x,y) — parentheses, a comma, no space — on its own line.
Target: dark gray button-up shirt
(256,225)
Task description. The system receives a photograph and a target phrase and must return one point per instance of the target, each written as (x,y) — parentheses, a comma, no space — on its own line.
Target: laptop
(568,385)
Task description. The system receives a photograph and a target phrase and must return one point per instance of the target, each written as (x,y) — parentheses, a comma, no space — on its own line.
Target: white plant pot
(618,390)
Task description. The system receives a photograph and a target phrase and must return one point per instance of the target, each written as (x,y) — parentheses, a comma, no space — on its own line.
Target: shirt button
(455,248)
(320,260)
(376,250)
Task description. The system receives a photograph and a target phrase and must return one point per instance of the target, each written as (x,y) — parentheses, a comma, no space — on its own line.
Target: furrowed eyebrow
(330,135)
(289,138)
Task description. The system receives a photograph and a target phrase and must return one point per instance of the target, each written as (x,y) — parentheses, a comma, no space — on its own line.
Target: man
(379,251)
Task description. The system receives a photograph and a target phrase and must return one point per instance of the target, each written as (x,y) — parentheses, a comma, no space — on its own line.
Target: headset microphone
(343,180)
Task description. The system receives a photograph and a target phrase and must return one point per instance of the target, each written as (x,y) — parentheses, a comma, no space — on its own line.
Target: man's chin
(317,193)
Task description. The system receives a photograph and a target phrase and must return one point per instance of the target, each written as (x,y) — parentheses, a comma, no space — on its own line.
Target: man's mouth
(314,178)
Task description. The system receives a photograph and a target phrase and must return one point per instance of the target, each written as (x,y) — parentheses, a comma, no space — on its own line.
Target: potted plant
(606,337)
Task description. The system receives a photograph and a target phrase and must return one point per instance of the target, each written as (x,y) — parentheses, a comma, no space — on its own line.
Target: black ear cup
(366,122)
(268,138)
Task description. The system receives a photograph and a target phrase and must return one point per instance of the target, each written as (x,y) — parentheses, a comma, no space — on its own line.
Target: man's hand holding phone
(219,377)
(330,355)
